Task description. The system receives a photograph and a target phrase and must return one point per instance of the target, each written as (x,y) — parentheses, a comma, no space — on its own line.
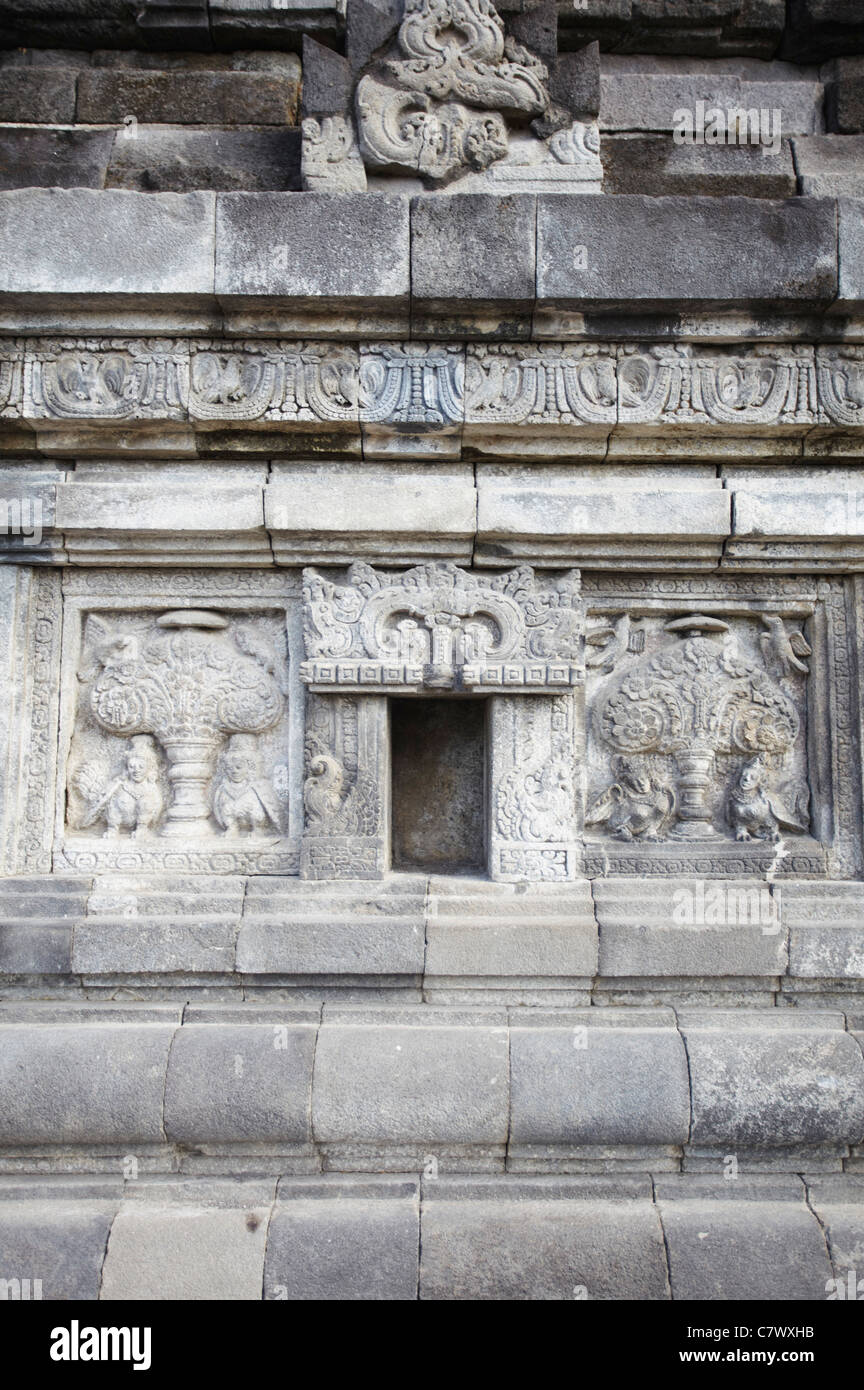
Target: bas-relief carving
(438,387)
(714,743)
(330,159)
(546,384)
(346,775)
(682,385)
(178,752)
(697,709)
(703,725)
(441,627)
(536,757)
(445,101)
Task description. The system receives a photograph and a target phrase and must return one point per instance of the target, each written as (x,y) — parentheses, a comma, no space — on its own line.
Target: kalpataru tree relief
(179,725)
(707,747)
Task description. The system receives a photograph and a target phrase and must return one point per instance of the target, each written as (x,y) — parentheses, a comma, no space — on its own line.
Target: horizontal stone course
(600,1076)
(640,253)
(375,1081)
(749,1239)
(109,96)
(763,1079)
(391,1238)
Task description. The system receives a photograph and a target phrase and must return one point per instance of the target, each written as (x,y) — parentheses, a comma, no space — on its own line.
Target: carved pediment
(439,626)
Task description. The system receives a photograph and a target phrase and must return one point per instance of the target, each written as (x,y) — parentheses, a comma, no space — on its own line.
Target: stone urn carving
(190,687)
(692,701)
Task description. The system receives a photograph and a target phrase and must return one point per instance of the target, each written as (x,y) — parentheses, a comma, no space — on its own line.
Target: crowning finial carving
(440,109)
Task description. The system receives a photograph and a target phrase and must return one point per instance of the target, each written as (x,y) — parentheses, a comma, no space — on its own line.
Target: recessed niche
(439,783)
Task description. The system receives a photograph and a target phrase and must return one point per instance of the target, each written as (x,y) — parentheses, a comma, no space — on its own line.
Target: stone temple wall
(431,649)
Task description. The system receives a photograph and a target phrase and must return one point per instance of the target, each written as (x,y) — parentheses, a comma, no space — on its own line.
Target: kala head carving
(439,626)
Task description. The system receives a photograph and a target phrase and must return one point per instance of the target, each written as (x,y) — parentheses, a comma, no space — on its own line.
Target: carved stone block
(714,736)
(178,725)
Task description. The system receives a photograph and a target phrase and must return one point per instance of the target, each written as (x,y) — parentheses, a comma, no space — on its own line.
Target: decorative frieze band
(429,388)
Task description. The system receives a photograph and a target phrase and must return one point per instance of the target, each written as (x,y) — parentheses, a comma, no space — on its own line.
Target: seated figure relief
(639,805)
(755,812)
(131,802)
(244,802)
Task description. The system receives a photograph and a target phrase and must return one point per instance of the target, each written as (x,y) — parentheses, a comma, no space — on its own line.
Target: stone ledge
(436,934)
(381,1237)
(278,255)
(365,1088)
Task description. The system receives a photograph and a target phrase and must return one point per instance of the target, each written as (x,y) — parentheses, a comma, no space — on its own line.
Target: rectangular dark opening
(439,783)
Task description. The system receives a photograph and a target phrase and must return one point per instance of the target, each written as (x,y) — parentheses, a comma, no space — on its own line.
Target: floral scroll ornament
(190,686)
(691,702)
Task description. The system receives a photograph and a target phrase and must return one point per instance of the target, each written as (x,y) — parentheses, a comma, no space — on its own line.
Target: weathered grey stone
(169,24)
(844,96)
(30,647)
(368,27)
(253,1082)
(35,948)
(422,1076)
(581,514)
(75,24)
(344,1239)
(605,1076)
(681,928)
(752,1238)
(147,244)
(448,276)
(817,29)
(653,164)
(138,946)
(831,165)
(304,246)
(173,160)
(536,26)
(641,252)
(91,1083)
(37,94)
(839,1204)
(109,96)
(31,157)
(180,1249)
(664,26)
(327,80)
(574,81)
(762,1079)
(352,929)
(825,922)
(258,24)
(550,1239)
(331,513)
(807,518)
(641,93)
(158,507)
(55,1233)
(850,253)
(519,932)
